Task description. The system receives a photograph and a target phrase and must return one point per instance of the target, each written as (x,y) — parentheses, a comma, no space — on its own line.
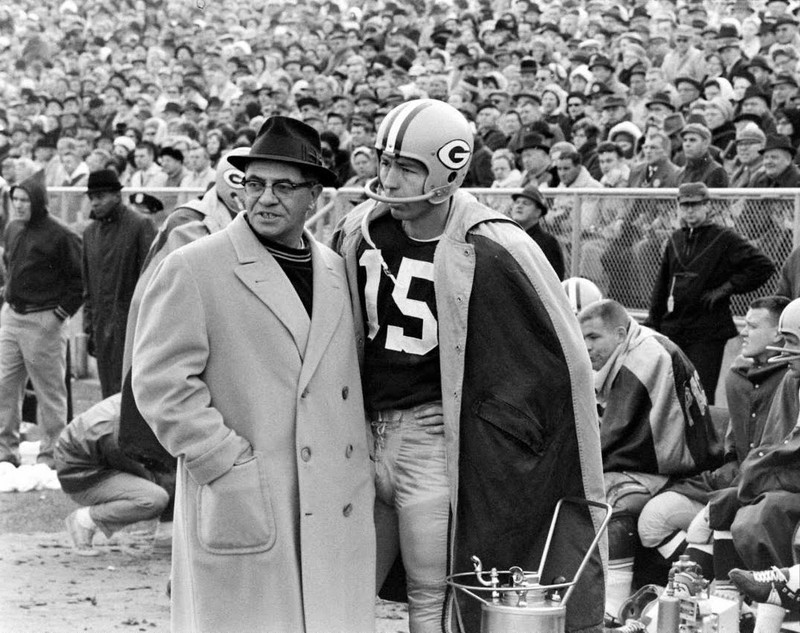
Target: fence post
(575,244)
(796,224)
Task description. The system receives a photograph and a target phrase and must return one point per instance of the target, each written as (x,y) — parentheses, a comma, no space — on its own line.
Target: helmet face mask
(434,134)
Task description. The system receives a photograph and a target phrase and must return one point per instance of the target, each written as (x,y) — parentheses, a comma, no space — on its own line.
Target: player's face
(601,341)
(759,331)
(279,219)
(403,178)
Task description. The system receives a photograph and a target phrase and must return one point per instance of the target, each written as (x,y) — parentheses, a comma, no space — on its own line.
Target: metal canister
(547,617)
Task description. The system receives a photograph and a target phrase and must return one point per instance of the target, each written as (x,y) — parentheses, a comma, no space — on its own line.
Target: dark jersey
(395,281)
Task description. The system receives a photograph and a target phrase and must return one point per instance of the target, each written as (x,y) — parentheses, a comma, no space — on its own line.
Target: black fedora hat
(288,140)
(533,140)
(103,180)
(781,142)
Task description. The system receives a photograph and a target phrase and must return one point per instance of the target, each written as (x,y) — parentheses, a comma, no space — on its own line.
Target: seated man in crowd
(654,423)
(750,386)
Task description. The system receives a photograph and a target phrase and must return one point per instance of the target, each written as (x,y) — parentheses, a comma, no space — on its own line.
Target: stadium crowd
(163,88)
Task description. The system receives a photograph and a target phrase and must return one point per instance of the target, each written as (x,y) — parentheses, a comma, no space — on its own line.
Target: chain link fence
(615,237)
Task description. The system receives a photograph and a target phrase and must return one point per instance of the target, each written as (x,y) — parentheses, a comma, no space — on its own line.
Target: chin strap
(371,191)
(785,354)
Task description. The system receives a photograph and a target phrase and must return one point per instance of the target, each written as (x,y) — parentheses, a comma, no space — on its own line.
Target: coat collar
(263,276)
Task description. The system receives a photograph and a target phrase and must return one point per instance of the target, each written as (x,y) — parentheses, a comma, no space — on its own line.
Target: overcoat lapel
(329,303)
(259,271)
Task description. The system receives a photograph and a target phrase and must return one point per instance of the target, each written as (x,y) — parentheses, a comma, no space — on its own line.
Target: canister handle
(583,502)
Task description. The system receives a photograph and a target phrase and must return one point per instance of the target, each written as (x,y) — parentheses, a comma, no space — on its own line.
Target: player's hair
(774,304)
(612,313)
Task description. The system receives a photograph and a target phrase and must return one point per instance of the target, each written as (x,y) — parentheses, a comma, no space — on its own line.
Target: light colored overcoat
(227,361)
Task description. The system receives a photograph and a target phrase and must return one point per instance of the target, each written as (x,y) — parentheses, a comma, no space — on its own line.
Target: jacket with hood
(42,259)
(696,261)
(519,413)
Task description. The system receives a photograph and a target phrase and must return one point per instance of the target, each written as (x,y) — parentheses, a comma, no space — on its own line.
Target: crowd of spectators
(159,89)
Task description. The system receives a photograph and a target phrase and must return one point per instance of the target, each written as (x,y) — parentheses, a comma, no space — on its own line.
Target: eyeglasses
(280,188)
(681,39)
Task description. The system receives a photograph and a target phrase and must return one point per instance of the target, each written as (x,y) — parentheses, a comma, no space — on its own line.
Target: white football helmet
(789,323)
(433,133)
(581,292)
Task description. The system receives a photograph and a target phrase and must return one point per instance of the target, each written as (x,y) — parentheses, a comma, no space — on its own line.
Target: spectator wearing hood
(554,102)
(718,113)
(43,288)
(625,134)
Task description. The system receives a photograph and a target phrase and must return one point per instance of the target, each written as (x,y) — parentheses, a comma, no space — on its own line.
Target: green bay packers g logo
(455,154)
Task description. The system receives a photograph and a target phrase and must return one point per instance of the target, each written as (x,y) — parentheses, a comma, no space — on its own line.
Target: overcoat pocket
(512,421)
(234,512)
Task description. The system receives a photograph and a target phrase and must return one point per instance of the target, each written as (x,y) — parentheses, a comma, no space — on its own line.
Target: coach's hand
(431,416)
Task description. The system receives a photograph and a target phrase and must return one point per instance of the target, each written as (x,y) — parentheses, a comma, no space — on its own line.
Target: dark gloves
(712,297)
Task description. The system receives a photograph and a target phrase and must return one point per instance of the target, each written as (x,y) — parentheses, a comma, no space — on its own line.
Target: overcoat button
(305,454)
(348,451)
(345,392)
(348,510)
(304,394)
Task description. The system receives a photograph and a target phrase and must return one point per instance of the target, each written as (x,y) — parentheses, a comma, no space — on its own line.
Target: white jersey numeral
(396,339)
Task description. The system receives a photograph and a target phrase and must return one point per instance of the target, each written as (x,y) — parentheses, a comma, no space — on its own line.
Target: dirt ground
(46,588)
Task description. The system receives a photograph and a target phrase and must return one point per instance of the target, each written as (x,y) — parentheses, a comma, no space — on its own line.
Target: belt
(393,415)
(388,415)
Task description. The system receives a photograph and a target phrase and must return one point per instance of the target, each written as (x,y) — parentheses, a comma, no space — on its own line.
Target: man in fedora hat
(779,169)
(244,364)
(528,209)
(114,248)
(534,153)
